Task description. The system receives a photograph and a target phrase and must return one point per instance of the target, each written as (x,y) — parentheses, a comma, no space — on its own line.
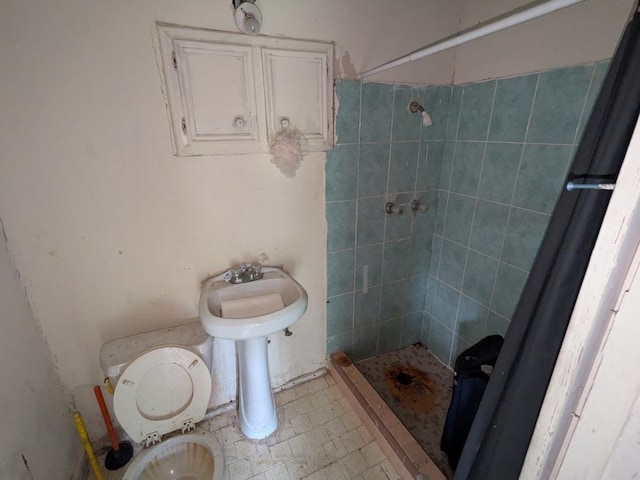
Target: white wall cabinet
(229,93)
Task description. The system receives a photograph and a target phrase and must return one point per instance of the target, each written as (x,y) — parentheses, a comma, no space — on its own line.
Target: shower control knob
(238,122)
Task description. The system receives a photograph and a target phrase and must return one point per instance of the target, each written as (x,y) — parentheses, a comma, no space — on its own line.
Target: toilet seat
(164,389)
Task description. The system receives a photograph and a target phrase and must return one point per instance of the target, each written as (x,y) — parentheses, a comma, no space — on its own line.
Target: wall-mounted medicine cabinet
(229,93)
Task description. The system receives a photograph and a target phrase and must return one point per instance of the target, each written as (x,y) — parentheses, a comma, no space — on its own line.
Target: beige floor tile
(318,458)
(245,448)
(335,471)
(240,470)
(319,475)
(318,417)
(319,399)
(375,473)
(365,434)
(334,428)
(265,443)
(335,449)
(333,392)
(350,420)
(280,452)
(230,434)
(288,411)
(299,444)
(285,396)
(372,454)
(354,463)
(333,409)
(301,424)
(318,384)
(279,472)
(285,432)
(346,404)
(302,406)
(298,467)
(229,452)
(317,437)
(303,389)
(261,461)
(221,421)
(352,440)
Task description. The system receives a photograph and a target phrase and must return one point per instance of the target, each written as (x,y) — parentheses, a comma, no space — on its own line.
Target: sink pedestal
(257,415)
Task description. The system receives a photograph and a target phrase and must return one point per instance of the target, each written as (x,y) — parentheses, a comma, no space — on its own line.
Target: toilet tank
(117,354)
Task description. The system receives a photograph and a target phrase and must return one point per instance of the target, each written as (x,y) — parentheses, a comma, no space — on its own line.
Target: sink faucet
(244,273)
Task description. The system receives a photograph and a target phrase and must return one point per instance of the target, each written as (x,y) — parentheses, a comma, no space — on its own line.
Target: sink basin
(265,319)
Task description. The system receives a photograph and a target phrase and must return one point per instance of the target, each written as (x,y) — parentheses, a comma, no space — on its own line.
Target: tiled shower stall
(489,168)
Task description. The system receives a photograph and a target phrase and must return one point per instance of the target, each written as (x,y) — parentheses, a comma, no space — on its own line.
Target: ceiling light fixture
(248,16)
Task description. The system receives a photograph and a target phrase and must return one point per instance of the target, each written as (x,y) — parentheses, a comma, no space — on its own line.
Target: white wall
(111,234)
(36,417)
(583,33)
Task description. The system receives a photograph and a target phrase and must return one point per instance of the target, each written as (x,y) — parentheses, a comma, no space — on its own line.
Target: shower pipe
(509,19)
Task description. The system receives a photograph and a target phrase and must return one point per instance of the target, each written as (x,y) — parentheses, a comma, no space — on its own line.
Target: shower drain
(411,387)
(404,378)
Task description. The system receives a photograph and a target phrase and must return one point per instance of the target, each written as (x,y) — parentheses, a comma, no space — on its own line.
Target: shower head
(416,107)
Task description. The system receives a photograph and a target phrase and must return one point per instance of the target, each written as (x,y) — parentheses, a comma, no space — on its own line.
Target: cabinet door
(212,96)
(297,89)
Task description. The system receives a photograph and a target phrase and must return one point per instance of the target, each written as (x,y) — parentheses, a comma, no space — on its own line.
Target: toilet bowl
(162,389)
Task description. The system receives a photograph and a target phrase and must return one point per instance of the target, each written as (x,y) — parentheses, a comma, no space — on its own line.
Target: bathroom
(108,234)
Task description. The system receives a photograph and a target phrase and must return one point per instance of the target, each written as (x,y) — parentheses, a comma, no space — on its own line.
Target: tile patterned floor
(417,387)
(320,438)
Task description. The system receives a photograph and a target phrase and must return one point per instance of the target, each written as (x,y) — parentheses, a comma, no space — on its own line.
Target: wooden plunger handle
(107,418)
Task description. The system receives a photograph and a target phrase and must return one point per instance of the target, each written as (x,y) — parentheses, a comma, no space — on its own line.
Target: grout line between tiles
(584,105)
(355,227)
(446,212)
(513,192)
(473,218)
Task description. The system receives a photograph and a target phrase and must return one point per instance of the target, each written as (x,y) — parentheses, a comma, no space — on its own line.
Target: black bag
(469,383)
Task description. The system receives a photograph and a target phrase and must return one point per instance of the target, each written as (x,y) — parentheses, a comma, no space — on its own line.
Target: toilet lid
(160,391)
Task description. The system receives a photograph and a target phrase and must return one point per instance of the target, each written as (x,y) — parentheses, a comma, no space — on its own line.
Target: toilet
(162,385)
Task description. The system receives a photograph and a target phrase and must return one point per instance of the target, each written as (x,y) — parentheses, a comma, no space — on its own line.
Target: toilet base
(257,416)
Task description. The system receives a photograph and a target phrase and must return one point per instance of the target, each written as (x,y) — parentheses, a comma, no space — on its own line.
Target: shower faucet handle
(418,206)
(392,208)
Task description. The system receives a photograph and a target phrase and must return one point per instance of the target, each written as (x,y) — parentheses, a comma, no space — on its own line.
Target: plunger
(120,453)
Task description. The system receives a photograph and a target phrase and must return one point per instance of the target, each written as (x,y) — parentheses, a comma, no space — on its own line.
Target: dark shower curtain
(497,444)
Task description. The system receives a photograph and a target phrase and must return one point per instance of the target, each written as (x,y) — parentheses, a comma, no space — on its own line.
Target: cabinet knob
(238,122)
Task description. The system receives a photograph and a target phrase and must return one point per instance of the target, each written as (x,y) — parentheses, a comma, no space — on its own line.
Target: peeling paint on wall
(346,67)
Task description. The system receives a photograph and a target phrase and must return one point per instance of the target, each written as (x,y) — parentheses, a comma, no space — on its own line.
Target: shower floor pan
(405,395)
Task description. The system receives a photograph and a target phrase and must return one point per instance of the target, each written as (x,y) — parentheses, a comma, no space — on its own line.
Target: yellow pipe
(82,431)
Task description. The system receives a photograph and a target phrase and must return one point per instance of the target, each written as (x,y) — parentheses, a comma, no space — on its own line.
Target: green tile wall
(382,153)
(490,168)
(509,143)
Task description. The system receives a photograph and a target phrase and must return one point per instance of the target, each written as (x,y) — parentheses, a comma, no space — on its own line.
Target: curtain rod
(509,19)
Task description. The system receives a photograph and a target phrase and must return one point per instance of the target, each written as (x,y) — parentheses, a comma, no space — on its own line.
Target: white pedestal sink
(271,304)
